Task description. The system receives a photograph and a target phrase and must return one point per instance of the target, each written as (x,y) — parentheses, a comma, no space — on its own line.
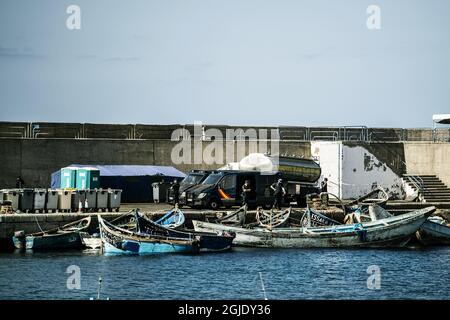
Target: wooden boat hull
(208,242)
(120,241)
(433,233)
(137,247)
(69,240)
(65,237)
(90,242)
(389,232)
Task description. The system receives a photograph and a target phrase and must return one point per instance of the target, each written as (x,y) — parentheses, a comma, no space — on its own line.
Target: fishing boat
(120,240)
(91,241)
(65,237)
(434,231)
(173,219)
(394,231)
(147,237)
(236,218)
(273,219)
(208,241)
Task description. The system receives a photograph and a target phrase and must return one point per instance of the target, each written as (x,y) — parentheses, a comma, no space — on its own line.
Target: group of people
(278,193)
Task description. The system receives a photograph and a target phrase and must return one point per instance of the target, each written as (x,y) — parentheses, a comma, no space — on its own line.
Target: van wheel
(214,204)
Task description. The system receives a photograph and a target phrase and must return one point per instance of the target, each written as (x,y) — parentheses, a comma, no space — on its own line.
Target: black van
(224,188)
(193,178)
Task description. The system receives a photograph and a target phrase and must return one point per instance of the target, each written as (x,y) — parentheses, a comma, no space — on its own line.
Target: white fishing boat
(434,231)
(394,231)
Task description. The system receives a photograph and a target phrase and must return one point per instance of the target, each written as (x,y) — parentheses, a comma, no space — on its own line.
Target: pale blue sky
(254,62)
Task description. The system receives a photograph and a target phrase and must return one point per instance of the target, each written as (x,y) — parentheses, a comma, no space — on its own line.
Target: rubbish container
(91,200)
(114,199)
(64,200)
(51,203)
(13,196)
(77,197)
(26,200)
(160,191)
(39,200)
(102,199)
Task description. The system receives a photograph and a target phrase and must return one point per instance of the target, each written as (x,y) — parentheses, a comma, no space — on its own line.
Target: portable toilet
(87,178)
(68,177)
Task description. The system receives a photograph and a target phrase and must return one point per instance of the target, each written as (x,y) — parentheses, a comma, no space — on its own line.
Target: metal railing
(36,130)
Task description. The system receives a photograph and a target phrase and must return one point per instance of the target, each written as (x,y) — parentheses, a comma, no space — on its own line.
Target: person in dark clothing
(278,192)
(246,190)
(176,191)
(20,183)
(324,186)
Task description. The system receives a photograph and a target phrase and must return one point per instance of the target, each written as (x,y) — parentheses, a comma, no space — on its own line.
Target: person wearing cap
(278,192)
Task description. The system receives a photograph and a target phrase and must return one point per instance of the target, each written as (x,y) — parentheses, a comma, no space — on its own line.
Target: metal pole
(262,285)
(99,287)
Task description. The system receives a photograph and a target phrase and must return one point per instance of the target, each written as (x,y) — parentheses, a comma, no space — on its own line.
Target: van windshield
(213,178)
(192,179)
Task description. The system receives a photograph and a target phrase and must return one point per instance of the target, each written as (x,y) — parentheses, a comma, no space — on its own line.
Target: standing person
(324,188)
(278,193)
(176,192)
(19,182)
(246,189)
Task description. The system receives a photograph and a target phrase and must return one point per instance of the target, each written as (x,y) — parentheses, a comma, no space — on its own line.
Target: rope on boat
(35,218)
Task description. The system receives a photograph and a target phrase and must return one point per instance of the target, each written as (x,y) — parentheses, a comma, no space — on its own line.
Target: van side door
(227,187)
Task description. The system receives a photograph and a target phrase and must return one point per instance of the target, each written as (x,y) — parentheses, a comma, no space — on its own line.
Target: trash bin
(39,200)
(26,200)
(64,200)
(160,191)
(77,196)
(91,200)
(13,196)
(102,199)
(114,199)
(51,203)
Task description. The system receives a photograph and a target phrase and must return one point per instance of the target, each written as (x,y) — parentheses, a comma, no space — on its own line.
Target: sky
(237,62)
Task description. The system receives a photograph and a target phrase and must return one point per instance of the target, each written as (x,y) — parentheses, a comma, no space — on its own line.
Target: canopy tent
(134,180)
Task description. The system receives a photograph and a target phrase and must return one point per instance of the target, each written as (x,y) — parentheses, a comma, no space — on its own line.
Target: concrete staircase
(430,188)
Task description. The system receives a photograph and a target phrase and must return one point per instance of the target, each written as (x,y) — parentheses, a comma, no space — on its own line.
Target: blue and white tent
(134,180)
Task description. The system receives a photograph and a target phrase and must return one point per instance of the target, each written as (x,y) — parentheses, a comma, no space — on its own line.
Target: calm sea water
(287,274)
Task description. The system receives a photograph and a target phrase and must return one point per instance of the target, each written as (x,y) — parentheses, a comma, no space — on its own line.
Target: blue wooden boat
(121,240)
(65,237)
(208,241)
(173,219)
(137,234)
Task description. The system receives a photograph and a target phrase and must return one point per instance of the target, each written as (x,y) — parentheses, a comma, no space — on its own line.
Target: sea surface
(410,273)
